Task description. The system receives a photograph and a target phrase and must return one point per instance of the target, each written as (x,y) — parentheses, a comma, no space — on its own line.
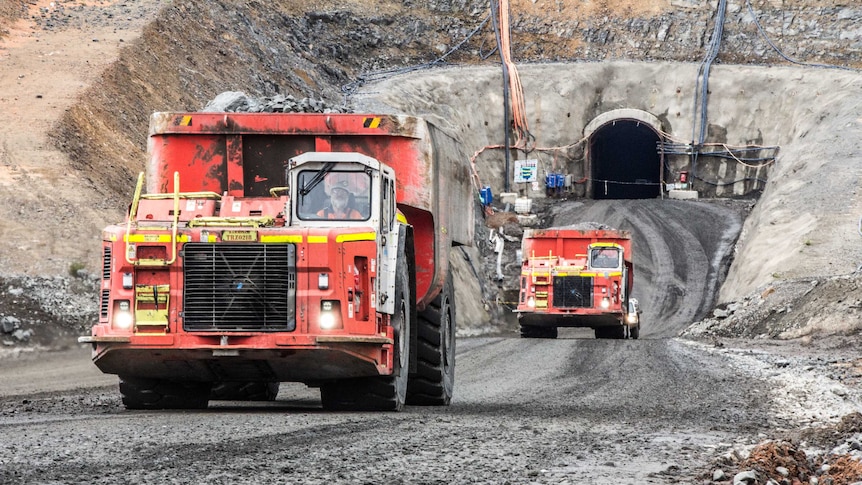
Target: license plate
(241,236)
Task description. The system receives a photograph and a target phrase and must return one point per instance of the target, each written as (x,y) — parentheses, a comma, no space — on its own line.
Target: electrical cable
(780,53)
(703,74)
(351,87)
(519,110)
(495,7)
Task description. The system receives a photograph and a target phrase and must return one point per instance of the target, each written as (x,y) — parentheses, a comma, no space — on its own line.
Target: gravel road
(571,410)
(682,249)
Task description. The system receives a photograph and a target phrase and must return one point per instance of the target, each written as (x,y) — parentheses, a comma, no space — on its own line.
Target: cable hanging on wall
(513,93)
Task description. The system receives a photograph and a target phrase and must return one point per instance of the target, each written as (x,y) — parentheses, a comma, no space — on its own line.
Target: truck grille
(573,292)
(106,263)
(239,287)
(103,303)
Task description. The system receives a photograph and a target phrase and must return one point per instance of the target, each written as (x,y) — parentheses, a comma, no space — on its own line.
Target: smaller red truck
(577,278)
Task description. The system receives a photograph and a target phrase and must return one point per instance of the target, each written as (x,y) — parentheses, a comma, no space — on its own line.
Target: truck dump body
(227,271)
(574,278)
(244,155)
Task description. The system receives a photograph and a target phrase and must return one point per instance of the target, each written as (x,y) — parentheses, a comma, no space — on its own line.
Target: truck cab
(349,190)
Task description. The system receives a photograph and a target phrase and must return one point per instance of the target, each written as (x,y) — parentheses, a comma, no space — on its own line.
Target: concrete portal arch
(622,159)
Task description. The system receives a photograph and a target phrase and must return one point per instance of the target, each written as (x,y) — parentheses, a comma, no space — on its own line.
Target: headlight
(327,320)
(633,318)
(330,315)
(606,303)
(531,302)
(123,318)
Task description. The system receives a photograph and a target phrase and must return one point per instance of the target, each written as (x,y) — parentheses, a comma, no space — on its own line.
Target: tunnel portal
(622,157)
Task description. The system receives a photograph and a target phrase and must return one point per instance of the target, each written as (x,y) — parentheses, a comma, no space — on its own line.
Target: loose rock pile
(788,309)
(240,102)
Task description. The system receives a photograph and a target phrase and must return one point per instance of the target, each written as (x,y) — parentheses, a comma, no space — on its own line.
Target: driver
(339,204)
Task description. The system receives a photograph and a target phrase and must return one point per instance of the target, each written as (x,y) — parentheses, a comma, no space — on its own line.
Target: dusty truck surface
(577,278)
(269,248)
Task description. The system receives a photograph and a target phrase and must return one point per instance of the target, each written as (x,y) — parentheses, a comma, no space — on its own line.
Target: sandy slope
(46,61)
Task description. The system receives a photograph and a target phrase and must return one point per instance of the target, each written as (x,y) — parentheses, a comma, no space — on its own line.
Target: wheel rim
(402,340)
(448,338)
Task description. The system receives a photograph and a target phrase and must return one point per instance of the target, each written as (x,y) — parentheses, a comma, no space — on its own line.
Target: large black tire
(139,393)
(244,391)
(434,380)
(385,393)
(533,331)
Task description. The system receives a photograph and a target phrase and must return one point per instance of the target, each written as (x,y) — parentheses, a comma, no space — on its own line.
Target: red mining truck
(274,248)
(577,278)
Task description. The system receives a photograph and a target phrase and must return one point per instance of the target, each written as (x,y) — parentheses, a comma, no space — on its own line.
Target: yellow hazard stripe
(605,245)
(281,238)
(317,239)
(359,236)
(371,122)
(186,121)
(597,273)
(154,238)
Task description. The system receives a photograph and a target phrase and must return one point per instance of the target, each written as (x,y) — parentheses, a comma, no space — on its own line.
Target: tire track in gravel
(680,252)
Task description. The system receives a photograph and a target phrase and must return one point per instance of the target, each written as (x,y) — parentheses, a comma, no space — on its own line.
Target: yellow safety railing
(133,212)
(233,221)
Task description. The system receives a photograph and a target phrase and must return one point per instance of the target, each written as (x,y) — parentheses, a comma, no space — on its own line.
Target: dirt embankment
(195,50)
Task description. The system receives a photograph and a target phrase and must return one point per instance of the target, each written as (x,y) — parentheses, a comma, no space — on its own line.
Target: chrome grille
(239,287)
(573,292)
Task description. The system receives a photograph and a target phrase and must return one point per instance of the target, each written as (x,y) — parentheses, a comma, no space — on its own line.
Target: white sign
(526,171)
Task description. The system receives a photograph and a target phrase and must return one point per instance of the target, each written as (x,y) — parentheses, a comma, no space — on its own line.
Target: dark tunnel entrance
(624,161)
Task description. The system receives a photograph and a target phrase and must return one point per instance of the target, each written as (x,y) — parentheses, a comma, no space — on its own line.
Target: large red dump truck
(270,248)
(577,278)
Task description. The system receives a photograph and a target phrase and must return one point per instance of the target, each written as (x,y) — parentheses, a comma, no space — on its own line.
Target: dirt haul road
(576,410)
(526,411)
(571,410)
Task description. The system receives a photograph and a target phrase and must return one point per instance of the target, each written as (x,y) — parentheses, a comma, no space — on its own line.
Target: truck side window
(386,204)
(605,258)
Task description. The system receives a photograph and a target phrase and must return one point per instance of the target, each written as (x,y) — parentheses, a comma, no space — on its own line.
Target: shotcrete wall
(564,100)
(806,219)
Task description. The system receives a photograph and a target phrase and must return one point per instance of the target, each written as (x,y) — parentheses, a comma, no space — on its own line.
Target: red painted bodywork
(240,157)
(548,254)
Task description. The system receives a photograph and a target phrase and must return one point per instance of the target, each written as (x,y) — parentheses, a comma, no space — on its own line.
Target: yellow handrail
(176,218)
(236,221)
(183,195)
(275,190)
(133,213)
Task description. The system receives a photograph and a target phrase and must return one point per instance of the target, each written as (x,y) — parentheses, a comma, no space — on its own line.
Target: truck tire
(635,332)
(434,380)
(244,391)
(384,393)
(140,393)
(533,331)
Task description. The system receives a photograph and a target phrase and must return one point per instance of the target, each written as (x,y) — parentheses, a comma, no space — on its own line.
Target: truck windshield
(342,196)
(605,258)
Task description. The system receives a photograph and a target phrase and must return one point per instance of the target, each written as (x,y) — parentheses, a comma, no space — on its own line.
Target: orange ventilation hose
(516,91)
